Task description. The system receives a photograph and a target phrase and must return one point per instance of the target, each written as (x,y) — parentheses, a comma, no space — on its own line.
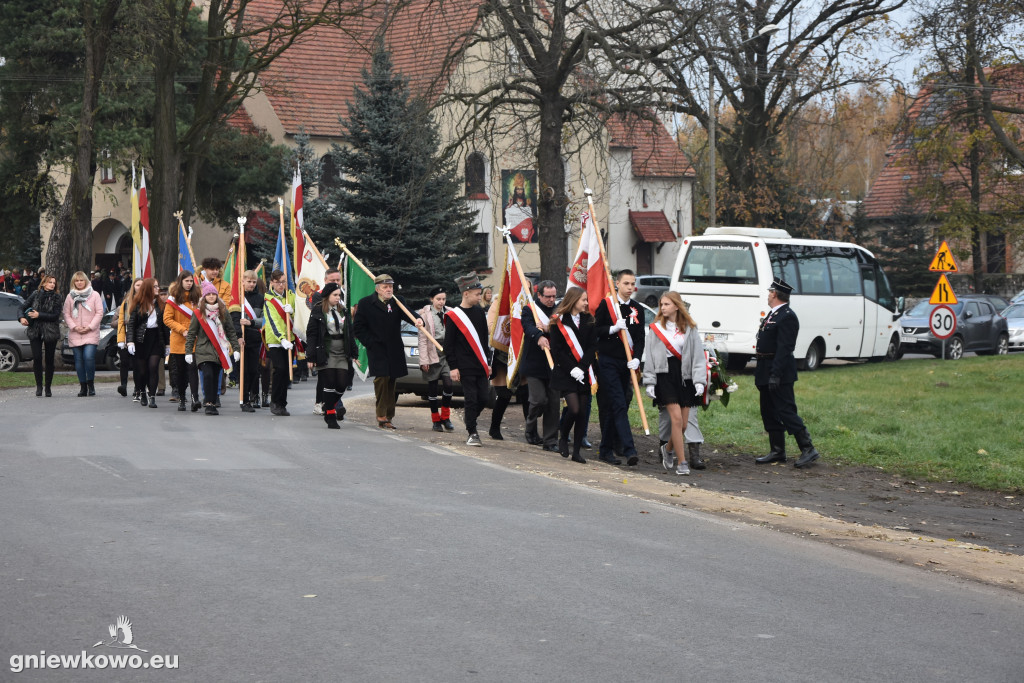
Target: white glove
(698,389)
(131,349)
(577,375)
(285,344)
(650,390)
(633,364)
(620,324)
(120,345)
(167,350)
(235,356)
(188,358)
(288,309)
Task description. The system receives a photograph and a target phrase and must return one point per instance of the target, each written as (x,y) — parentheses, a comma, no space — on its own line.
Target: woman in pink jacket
(433,364)
(83,311)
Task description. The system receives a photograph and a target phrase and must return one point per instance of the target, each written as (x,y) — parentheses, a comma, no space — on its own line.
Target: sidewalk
(927,525)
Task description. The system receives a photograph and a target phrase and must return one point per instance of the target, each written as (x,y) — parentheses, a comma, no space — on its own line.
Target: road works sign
(942,322)
(943,261)
(943,292)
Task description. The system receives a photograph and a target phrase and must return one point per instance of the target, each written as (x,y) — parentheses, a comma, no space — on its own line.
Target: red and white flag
(298,239)
(507,327)
(147,252)
(587,270)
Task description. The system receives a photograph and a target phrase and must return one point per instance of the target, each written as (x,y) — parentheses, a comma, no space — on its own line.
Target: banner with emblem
(587,270)
(507,327)
(311,276)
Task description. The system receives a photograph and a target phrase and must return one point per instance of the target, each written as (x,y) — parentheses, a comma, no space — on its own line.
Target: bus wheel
(815,354)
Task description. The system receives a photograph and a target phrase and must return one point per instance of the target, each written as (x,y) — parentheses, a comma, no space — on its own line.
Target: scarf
(80,297)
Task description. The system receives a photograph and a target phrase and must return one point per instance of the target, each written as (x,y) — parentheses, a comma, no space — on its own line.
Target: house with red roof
(907,187)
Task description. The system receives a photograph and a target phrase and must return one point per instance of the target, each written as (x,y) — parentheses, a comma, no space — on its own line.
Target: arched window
(476,174)
(329,176)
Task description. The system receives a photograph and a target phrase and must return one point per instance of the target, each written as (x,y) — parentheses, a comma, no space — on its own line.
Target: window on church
(476,176)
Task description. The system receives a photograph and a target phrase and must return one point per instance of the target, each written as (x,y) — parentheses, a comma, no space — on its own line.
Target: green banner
(357,285)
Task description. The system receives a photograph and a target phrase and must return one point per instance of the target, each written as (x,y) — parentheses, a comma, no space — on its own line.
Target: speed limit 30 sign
(942,322)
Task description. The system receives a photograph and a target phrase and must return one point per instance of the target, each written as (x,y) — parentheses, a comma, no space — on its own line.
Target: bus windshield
(719,262)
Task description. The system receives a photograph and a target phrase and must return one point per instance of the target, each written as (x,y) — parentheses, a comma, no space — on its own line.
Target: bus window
(813,268)
(885,297)
(876,287)
(719,262)
(784,264)
(845,273)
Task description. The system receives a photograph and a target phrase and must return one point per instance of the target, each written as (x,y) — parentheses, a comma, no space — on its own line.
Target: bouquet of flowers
(720,384)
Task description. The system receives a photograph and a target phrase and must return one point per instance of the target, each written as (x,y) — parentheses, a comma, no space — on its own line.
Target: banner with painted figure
(519,204)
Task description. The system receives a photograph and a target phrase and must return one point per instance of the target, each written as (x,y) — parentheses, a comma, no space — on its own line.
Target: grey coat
(694,365)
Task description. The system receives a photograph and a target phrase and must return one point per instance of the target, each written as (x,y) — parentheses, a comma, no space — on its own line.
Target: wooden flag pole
(622,333)
(241,292)
(352,257)
(287,317)
(529,290)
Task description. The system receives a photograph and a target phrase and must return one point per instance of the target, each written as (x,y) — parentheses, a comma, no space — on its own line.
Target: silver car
(1014,315)
(14,343)
(649,289)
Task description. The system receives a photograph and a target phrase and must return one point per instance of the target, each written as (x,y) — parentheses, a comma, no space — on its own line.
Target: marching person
(573,346)
(433,363)
(212,336)
(147,339)
(465,338)
(211,274)
(675,370)
(279,305)
(544,400)
(182,301)
(331,349)
(124,358)
(775,375)
(41,315)
(248,322)
(83,311)
(378,327)
(614,372)
(330,275)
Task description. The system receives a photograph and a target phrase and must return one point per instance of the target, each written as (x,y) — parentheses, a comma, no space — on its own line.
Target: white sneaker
(474,440)
(683,469)
(668,460)
(318,408)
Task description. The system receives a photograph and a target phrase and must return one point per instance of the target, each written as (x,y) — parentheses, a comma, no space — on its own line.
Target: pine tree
(906,254)
(394,201)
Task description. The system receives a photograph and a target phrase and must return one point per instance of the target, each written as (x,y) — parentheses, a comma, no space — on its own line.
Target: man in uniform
(614,384)
(534,367)
(467,352)
(774,378)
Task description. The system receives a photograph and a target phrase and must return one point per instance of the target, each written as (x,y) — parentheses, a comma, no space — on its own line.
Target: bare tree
(70,246)
(542,78)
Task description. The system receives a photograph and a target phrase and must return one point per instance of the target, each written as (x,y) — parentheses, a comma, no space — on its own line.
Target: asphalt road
(270,549)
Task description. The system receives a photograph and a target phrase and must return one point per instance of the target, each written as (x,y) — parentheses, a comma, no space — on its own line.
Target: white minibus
(840,294)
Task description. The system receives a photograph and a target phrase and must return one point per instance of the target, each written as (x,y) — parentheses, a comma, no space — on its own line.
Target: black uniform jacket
(458,350)
(381,333)
(775,341)
(535,361)
(565,360)
(317,348)
(611,346)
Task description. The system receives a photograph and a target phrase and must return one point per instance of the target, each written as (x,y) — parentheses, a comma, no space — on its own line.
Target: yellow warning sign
(943,293)
(943,262)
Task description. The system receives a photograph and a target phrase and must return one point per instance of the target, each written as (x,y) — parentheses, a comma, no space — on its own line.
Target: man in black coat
(614,383)
(774,378)
(534,367)
(378,327)
(467,351)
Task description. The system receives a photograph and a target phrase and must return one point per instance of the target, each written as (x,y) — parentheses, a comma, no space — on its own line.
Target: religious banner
(519,204)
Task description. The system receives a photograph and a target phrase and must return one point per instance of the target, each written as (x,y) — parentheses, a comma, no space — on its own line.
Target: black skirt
(672,388)
(152,344)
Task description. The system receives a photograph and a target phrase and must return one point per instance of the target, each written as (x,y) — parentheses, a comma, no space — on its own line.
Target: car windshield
(1014,311)
(409,330)
(924,309)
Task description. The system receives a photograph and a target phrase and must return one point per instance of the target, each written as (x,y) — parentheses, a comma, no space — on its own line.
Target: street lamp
(713,120)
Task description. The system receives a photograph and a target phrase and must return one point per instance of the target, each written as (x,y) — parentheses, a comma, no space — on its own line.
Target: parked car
(1014,315)
(650,287)
(999,302)
(1019,298)
(979,328)
(14,344)
(106,350)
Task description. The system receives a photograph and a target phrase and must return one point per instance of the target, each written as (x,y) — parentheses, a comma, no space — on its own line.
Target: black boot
(83,389)
(331,418)
(808,453)
(497,414)
(576,457)
(92,388)
(144,400)
(254,401)
(693,457)
(195,403)
(122,389)
(181,406)
(266,400)
(246,408)
(49,381)
(563,445)
(39,387)
(777,441)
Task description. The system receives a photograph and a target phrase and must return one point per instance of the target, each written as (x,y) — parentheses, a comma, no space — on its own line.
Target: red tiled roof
(655,152)
(652,226)
(310,84)
(892,192)
(241,120)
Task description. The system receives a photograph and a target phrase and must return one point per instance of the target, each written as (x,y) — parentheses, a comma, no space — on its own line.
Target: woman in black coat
(571,374)
(147,337)
(331,348)
(41,315)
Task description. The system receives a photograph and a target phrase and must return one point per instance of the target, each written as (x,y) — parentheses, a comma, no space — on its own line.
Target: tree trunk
(163,188)
(70,247)
(551,199)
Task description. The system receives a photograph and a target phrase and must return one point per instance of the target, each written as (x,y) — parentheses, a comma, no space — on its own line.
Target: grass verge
(959,421)
(17,380)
